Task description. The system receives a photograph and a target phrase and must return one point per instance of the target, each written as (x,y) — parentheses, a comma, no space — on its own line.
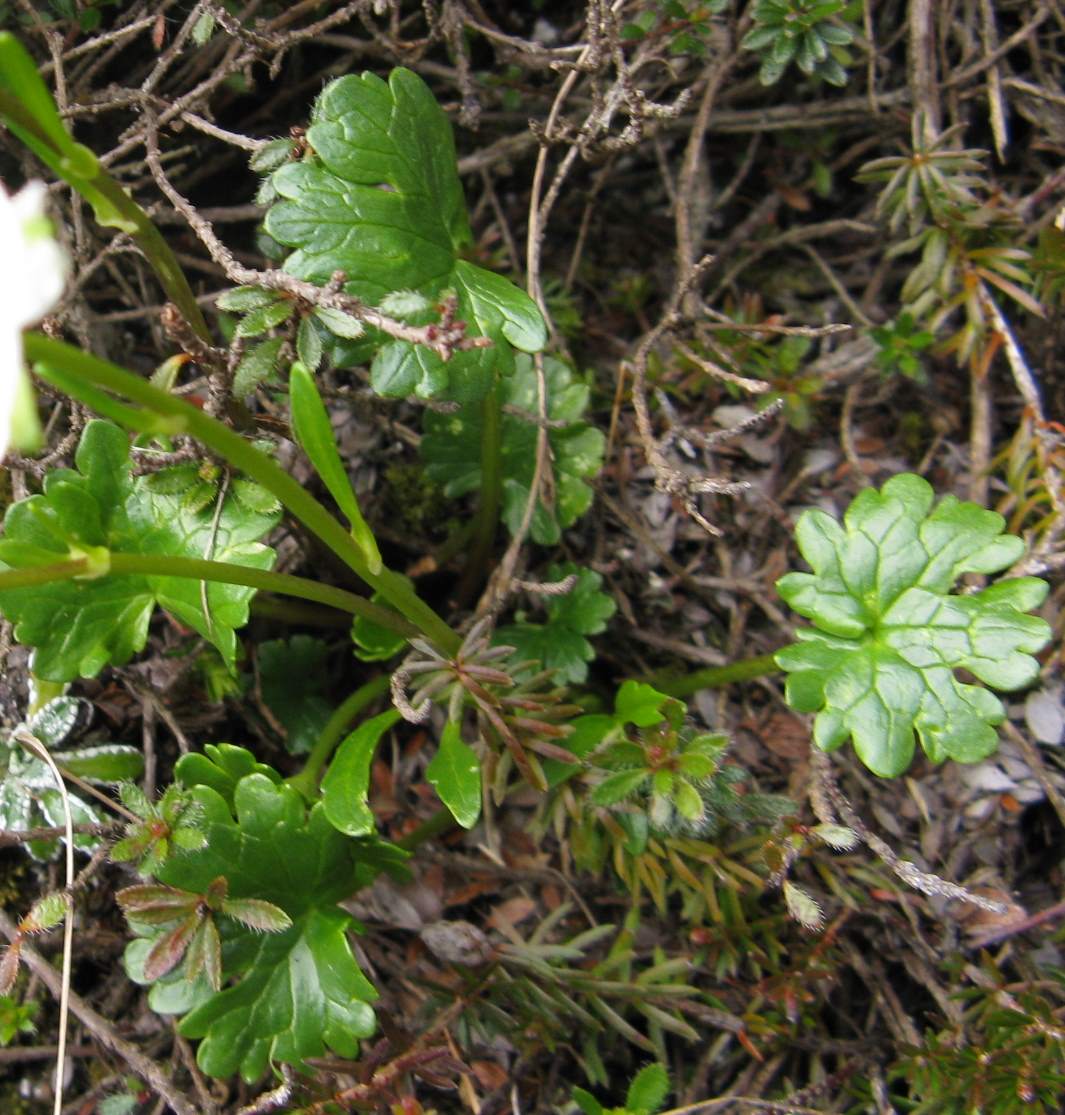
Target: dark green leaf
(346,785)
(380,199)
(561,643)
(291,994)
(451,449)
(293,679)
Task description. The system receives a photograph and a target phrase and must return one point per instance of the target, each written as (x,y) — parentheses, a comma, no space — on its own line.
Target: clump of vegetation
(402,657)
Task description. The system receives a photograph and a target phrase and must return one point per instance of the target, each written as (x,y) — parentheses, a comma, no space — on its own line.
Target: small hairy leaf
(257,364)
(648,1090)
(880,663)
(802,907)
(241,299)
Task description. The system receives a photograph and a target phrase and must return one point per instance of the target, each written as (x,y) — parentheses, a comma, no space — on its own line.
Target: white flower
(32,271)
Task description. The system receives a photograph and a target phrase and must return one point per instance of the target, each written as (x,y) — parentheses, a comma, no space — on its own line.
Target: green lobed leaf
(889,637)
(79,626)
(455,773)
(380,199)
(561,644)
(293,994)
(451,449)
(346,786)
(220,766)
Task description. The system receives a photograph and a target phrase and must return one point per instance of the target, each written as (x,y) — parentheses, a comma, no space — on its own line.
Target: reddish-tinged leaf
(205,954)
(165,955)
(257,914)
(9,966)
(217,889)
(156,904)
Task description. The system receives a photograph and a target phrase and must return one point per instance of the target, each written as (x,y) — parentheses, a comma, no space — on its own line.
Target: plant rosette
(879,664)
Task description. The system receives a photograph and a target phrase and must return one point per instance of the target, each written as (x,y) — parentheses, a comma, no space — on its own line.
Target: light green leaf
(241,299)
(588,1104)
(455,773)
(77,627)
(881,663)
(648,1090)
(346,785)
(220,766)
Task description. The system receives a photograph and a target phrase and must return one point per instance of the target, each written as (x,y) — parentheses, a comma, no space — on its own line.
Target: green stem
(70,369)
(162,565)
(306,782)
(487,520)
(289,611)
(42,574)
(713,677)
(112,206)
